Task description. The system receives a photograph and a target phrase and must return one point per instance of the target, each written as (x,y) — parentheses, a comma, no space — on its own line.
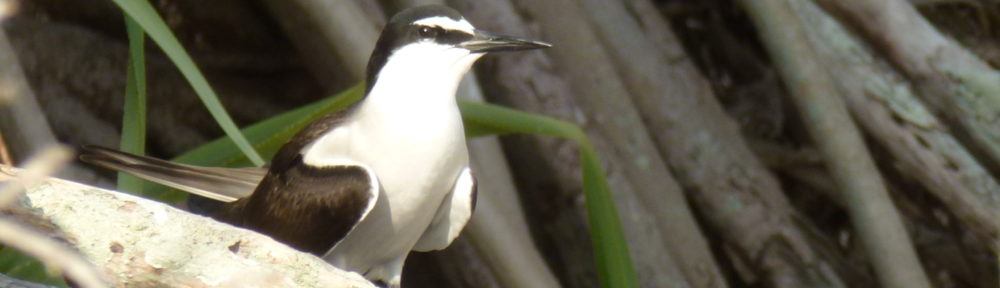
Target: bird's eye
(427,32)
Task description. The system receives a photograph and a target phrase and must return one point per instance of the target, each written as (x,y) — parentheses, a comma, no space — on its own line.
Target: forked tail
(222,184)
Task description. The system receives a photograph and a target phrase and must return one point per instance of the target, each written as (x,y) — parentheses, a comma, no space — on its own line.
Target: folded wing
(311,207)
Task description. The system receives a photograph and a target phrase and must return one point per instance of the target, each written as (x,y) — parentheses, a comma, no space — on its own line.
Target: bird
(364,186)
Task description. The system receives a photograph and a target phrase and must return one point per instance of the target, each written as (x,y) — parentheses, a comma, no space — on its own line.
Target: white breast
(409,131)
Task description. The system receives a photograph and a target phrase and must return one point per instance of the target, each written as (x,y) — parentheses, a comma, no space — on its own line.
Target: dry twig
(36,170)
(4,153)
(29,241)
(55,256)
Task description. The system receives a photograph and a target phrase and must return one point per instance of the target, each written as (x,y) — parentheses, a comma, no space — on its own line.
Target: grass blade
(269,135)
(133,138)
(144,14)
(614,265)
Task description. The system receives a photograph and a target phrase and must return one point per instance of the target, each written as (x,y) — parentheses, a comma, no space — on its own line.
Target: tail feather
(222,184)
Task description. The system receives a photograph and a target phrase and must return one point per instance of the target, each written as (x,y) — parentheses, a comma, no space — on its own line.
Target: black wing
(311,208)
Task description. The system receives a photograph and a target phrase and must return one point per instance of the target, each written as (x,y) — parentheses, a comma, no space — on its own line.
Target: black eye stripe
(401,31)
(441,35)
(427,32)
(453,37)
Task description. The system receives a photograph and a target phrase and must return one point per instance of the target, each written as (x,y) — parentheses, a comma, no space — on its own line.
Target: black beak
(483,42)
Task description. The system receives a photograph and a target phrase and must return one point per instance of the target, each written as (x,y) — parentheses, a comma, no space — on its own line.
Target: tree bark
(955,83)
(343,31)
(141,243)
(632,164)
(873,215)
(709,155)
(888,108)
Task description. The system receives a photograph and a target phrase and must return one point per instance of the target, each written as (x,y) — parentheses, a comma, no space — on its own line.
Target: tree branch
(873,215)
(888,108)
(138,242)
(708,155)
(954,82)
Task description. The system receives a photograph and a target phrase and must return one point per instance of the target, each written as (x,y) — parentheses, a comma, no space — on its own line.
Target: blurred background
(768,143)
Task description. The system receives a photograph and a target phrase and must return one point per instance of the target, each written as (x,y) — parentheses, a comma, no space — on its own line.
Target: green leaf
(614,265)
(269,135)
(492,119)
(133,139)
(144,14)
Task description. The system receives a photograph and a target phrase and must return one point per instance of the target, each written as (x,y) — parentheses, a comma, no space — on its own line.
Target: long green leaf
(269,135)
(133,139)
(144,14)
(614,265)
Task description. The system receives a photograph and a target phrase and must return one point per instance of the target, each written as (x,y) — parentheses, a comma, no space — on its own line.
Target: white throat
(422,72)
(411,103)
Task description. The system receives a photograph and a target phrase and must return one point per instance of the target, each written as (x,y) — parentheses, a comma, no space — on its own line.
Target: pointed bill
(483,42)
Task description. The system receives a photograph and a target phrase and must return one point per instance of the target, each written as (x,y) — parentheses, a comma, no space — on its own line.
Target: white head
(430,48)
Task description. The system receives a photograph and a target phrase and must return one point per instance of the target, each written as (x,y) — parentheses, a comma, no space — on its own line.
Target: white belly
(416,159)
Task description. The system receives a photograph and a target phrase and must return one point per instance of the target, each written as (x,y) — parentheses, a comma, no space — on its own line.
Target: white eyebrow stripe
(447,23)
